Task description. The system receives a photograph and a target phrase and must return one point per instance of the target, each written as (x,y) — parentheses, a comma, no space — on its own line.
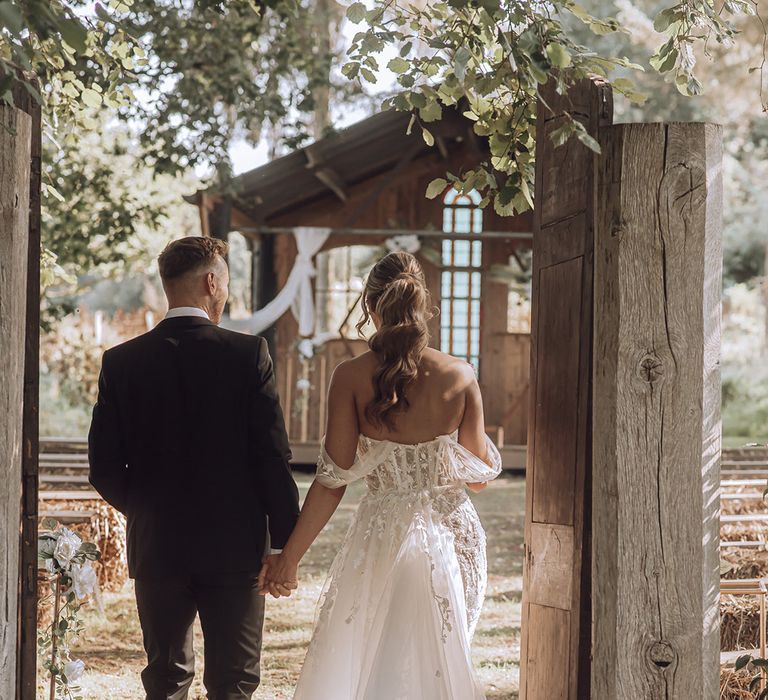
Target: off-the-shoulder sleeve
(332,476)
(468,467)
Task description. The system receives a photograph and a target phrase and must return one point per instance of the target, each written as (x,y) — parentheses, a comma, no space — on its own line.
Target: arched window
(460,283)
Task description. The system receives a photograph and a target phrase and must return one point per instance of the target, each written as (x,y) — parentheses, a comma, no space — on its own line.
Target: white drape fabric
(296,294)
(405,591)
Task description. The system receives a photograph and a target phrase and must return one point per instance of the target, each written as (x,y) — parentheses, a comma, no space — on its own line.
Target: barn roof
(338,161)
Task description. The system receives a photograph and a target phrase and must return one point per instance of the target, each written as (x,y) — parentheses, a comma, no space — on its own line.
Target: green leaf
(742,661)
(460,60)
(436,187)
(398,65)
(356,12)
(561,135)
(10,18)
(428,138)
(588,141)
(558,55)
(368,74)
(664,19)
(91,98)
(526,192)
(664,62)
(74,34)
(432,112)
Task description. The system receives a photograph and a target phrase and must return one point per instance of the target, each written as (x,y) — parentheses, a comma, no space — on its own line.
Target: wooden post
(28,597)
(15,144)
(556,612)
(656,437)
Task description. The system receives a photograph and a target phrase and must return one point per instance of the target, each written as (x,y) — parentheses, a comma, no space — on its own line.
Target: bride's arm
(472,428)
(341,437)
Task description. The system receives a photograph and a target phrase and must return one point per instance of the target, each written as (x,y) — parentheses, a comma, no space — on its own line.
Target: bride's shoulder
(350,371)
(448,366)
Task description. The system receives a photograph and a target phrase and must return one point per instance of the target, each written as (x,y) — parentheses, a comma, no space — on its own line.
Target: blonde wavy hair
(397,293)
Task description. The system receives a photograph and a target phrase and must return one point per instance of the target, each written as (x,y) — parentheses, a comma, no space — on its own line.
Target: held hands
(278,576)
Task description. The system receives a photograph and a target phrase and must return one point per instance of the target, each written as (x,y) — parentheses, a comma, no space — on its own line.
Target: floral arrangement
(67,559)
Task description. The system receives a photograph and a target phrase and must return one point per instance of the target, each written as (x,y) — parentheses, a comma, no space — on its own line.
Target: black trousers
(232,617)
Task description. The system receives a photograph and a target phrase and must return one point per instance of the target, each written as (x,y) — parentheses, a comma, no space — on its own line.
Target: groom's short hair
(189,255)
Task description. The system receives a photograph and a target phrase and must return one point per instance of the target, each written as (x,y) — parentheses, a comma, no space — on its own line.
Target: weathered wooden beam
(556,607)
(15,158)
(656,399)
(28,593)
(325,173)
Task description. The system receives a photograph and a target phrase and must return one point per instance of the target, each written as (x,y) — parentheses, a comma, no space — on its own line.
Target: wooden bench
(753,587)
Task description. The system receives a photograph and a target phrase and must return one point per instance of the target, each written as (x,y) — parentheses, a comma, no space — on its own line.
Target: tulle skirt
(392,621)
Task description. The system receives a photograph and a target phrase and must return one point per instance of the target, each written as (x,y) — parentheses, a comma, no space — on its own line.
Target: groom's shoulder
(245,341)
(127,348)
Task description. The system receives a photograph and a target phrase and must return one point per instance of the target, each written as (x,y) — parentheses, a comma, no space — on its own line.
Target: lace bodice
(395,467)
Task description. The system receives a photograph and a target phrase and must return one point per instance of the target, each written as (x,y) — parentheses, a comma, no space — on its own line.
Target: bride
(404,593)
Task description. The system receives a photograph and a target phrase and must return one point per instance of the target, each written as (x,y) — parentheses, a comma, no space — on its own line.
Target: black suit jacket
(188,440)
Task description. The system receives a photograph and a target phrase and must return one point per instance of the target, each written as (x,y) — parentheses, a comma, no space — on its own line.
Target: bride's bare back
(444,397)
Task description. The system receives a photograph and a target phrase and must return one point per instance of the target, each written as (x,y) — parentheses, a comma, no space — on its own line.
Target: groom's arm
(272,452)
(107,459)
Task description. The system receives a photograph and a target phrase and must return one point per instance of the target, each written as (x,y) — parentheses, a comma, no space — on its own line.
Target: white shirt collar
(186,311)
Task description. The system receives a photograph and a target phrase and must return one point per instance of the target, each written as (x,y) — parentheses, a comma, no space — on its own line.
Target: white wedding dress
(404,593)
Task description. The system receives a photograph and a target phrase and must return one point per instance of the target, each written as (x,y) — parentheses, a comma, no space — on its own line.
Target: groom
(188,441)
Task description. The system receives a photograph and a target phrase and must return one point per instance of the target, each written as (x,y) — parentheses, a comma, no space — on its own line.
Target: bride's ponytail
(396,292)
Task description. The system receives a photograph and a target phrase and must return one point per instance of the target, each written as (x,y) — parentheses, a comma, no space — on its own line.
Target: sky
(246,157)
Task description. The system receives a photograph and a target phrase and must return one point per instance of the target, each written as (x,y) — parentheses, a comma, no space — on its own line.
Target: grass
(114,657)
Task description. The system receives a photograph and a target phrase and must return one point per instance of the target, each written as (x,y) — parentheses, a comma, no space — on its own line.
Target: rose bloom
(66,547)
(83,579)
(74,670)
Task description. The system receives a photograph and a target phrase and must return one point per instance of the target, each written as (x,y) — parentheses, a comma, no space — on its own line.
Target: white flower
(303,385)
(306,348)
(83,579)
(50,565)
(407,242)
(74,670)
(66,547)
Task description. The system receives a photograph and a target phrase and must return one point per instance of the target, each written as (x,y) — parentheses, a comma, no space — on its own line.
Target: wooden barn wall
(387,201)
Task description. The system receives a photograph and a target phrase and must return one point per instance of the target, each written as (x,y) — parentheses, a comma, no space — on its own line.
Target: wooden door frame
(26,670)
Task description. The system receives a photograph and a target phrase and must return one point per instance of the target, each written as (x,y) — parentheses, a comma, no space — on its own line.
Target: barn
(348,198)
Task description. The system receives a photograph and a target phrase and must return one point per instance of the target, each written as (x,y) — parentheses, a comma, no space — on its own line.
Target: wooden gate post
(656,427)
(15,142)
(555,636)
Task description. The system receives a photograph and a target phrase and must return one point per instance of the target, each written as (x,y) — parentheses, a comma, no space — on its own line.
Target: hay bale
(739,622)
(734,685)
(744,563)
(740,532)
(743,506)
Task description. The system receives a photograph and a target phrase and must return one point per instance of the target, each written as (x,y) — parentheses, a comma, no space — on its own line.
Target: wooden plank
(28,586)
(557,391)
(69,496)
(67,517)
(63,479)
(549,571)
(552,641)
(657,413)
(15,158)
(743,517)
